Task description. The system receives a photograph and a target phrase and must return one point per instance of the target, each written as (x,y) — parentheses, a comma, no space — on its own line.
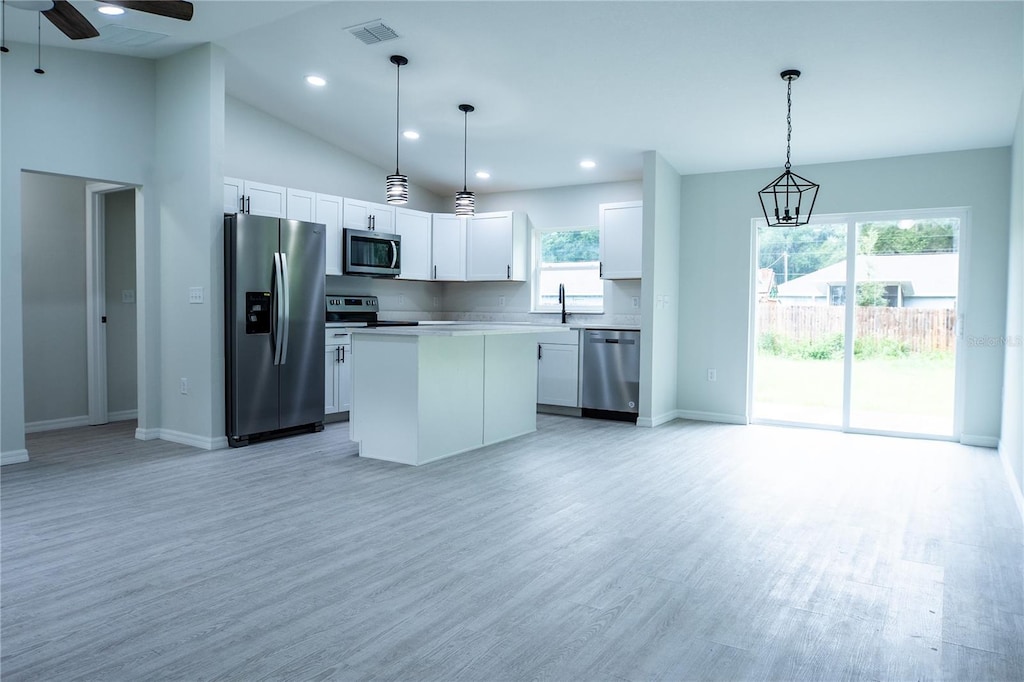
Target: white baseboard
(651,422)
(147,434)
(202,442)
(1011,478)
(55,424)
(13,457)
(122,415)
(719,417)
(979,441)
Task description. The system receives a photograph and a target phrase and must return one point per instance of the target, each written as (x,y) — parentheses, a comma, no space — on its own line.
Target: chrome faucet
(561,299)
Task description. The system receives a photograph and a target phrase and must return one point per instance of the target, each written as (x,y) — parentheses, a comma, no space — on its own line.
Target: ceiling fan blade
(70,21)
(175,9)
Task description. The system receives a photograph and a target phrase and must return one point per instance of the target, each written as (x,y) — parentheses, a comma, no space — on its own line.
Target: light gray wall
(659,359)
(266,149)
(1011,440)
(715,265)
(119,265)
(53,296)
(572,206)
(189,154)
(40,133)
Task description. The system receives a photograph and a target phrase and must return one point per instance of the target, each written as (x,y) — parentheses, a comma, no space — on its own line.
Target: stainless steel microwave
(373,254)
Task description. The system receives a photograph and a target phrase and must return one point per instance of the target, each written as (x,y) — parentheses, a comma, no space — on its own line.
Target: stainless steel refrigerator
(274,327)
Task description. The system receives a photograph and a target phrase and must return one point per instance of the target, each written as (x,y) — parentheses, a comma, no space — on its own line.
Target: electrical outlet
(401,299)
(195,294)
(127,295)
(712,375)
(437,302)
(184,386)
(636,301)
(501,301)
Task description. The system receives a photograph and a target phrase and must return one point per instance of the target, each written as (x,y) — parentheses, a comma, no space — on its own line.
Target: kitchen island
(422,393)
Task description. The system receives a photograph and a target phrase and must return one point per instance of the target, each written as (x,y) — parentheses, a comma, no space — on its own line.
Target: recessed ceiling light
(316,80)
(411,135)
(587,163)
(110,10)
(483,175)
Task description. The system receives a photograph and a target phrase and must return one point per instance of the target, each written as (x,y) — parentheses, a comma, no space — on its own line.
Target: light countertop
(459,329)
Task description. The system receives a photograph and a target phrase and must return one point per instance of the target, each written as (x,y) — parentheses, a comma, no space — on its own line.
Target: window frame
(536,235)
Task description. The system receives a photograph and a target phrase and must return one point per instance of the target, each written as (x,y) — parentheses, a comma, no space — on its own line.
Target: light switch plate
(127,295)
(195,294)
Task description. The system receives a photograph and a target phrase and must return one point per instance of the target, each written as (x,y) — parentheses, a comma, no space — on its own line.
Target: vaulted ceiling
(557,82)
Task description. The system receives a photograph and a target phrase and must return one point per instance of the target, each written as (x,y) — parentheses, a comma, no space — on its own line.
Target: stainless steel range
(358,311)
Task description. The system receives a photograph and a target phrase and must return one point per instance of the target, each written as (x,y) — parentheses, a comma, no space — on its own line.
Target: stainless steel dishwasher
(611,374)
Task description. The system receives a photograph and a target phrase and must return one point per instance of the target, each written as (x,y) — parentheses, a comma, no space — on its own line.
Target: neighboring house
(765,285)
(926,280)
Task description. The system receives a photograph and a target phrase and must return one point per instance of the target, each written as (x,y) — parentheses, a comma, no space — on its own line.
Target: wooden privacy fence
(921,329)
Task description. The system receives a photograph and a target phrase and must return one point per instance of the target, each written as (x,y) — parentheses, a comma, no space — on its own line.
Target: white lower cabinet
(558,369)
(337,373)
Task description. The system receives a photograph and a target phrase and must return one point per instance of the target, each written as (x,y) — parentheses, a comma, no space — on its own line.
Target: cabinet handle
(600,269)
(248,204)
(508,272)
(342,354)
(538,351)
(241,203)
(435,272)
(337,354)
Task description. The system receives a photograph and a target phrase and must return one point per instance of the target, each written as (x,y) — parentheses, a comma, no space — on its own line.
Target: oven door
(376,254)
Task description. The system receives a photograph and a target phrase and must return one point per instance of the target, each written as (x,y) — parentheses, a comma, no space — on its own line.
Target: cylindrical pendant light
(465,201)
(398,184)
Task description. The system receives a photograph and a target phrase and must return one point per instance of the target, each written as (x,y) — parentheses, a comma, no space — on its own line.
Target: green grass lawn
(917,389)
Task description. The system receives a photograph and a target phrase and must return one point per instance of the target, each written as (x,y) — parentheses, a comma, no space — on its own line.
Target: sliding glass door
(855,321)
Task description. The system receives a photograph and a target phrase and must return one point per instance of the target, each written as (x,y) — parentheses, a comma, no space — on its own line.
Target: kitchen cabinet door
(414,228)
(329,212)
(301,205)
(264,199)
(448,247)
(331,376)
(496,247)
(234,189)
(345,379)
(366,215)
(622,226)
(558,374)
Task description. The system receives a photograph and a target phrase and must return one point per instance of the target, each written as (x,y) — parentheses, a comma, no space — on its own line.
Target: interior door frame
(96,297)
(849,333)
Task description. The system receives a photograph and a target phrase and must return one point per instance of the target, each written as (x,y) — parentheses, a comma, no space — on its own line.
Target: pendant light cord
(465,144)
(3,26)
(398,102)
(789,119)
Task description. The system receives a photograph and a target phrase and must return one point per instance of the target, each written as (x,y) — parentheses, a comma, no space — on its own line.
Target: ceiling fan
(74,25)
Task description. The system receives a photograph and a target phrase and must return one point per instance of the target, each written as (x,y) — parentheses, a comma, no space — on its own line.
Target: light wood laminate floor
(589,550)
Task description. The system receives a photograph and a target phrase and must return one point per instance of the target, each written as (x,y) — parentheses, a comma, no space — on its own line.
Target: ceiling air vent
(373,32)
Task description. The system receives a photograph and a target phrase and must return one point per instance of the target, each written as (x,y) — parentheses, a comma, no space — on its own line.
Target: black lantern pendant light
(398,184)
(789,198)
(465,201)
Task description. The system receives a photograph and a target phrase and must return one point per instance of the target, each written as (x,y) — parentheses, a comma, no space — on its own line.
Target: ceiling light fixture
(465,201)
(411,135)
(588,164)
(483,175)
(398,184)
(316,80)
(784,196)
(110,10)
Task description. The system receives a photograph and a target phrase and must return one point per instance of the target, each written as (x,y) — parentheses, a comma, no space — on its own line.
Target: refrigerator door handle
(287,309)
(278,308)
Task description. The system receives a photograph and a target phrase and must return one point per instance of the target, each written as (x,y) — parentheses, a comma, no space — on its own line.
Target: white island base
(420,394)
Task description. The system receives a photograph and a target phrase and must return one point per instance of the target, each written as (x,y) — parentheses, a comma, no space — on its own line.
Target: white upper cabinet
(448,246)
(257,198)
(366,215)
(414,228)
(234,192)
(301,205)
(329,212)
(622,226)
(496,246)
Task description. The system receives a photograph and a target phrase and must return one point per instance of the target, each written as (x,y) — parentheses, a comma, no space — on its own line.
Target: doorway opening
(856,319)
